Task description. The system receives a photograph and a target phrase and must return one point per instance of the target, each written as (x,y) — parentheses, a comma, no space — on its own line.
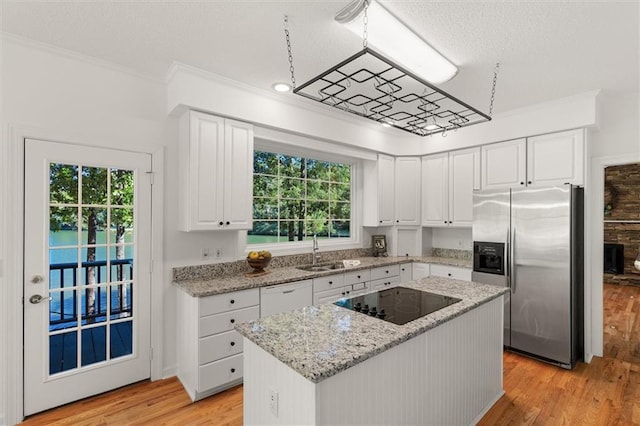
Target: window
(295,198)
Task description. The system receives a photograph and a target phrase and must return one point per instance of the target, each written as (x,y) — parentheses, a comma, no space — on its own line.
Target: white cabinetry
(384,276)
(379,178)
(216,176)
(448,181)
(552,159)
(504,164)
(209,349)
(407,191)
(333,287)
(556,159)
(285,297)
(420,270)
(454,272)
(406,272)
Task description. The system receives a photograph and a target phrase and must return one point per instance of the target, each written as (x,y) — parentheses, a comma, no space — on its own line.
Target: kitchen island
(327,365)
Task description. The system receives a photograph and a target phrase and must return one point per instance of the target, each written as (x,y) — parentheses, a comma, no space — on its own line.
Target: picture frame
(379,245)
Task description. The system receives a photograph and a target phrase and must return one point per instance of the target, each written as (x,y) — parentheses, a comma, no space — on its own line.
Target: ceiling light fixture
(281,87)
(373,86)
(387,35)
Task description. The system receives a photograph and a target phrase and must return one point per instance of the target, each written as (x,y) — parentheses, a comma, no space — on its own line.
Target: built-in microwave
(489,257)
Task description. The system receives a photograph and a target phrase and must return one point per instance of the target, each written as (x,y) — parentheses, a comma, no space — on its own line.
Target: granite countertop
(238,281)
(321,341)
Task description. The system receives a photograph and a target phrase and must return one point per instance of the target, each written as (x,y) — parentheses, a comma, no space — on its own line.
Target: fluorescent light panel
(392,38)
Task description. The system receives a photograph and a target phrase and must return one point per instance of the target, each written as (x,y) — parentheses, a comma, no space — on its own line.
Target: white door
(86,272)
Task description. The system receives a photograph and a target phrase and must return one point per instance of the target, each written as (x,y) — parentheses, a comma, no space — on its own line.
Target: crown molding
(77,56)
(289,99)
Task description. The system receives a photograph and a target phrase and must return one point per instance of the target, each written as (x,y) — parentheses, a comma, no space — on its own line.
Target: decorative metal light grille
(369,85)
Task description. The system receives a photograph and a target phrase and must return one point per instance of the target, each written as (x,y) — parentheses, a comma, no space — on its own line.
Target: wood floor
(604,392)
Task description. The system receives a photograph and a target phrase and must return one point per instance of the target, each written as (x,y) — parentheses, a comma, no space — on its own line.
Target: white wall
(452,238)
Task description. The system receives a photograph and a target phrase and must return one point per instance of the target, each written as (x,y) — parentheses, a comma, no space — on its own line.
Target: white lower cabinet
(209,349)
(383,283)
(454,272)
(285,297)
(406,272)
(420,270)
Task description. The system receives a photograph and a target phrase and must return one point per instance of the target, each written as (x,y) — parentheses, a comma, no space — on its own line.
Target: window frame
(300,247)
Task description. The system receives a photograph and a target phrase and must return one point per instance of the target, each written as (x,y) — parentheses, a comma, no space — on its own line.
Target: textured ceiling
(547,50)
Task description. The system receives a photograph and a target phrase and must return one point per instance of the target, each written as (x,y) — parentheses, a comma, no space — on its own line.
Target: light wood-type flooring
(604,392)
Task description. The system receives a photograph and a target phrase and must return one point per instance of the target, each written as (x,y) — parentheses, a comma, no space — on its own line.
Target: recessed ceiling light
(431,127)
(281,87)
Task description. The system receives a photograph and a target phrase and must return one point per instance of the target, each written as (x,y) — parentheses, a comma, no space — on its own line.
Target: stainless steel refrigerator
(531,240)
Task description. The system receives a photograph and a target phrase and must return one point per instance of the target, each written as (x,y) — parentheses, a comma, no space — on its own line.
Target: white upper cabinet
(552,159)
(504,165)
(556,159)
(448,181)
(379,186)
(435,190)
(407,191)
(216,173)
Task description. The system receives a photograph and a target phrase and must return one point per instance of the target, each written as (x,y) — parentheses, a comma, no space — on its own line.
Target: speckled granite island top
(321,341)
(234,282)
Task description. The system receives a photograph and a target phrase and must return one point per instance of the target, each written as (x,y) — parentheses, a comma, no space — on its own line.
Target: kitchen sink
(322,267)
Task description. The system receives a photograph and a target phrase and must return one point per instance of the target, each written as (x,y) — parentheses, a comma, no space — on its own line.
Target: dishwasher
(285,297)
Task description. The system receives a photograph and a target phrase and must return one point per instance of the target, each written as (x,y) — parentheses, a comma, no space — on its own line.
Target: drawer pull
(330,282)
(232,301)
(220,223)
(449,274)
(233,343)
(288,291)
(233,370)
(232,321)
(358,276)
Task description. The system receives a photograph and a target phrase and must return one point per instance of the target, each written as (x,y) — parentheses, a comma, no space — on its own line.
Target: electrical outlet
(218,252)
(273,402)
(205,253)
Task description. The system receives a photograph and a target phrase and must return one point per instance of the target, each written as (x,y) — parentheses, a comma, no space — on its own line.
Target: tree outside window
(295,198)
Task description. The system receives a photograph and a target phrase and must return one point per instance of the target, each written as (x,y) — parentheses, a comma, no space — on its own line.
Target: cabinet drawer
(218,373)
(328,282)
(451,272)
(385,271)
(219,346)
(359,276)
(218,323)
(228,301)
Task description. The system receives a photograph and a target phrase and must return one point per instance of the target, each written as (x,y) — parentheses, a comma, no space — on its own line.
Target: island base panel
(451,374)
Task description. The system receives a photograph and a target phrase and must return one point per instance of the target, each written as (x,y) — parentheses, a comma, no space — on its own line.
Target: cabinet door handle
(449,274)
(521,183)
(358,276)
(529,182)
(233,343)
(232,301)
(233,370)
(221,223)
(330,282)
(228,223)
(397,221)
(232,321)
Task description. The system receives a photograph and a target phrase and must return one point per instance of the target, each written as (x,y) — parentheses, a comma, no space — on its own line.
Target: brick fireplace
(622,223)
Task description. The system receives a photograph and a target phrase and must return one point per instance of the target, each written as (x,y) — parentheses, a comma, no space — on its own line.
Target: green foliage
(93,194)
(297,197)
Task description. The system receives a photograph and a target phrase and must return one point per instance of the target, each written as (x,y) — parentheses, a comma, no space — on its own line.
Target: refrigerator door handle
(512,277)
(508,259)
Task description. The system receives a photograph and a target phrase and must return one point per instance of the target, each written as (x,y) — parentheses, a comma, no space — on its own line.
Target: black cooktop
(398,305)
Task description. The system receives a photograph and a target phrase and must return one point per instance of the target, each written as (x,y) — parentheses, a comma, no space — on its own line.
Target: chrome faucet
(316,255)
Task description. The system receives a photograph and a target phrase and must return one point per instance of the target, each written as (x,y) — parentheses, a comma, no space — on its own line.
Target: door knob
(36,298)
(37,279)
